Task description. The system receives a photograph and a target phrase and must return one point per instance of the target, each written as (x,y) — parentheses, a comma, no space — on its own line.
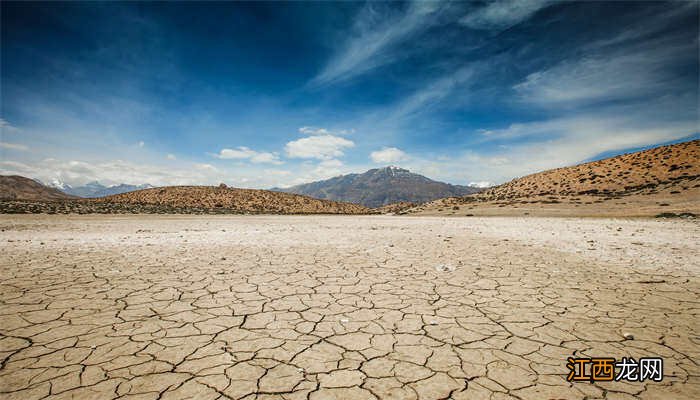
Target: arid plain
(343,307)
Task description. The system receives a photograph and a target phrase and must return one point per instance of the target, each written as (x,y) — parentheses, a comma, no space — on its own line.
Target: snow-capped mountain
(57,183)
(94,189)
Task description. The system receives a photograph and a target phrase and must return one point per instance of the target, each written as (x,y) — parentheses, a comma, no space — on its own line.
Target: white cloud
(310,130)
(323,147)
(141,144)
(327,169)
(13,146)
(244,153)
(77,173)
(481,184)
(324,169)
(205,167)
(388,155)
(503,14)
(376,33)
(171,157)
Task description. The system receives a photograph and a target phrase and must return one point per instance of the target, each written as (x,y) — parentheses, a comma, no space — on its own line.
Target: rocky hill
(650,182)
(380,187)
(231,199)
(616,175)
(15,187)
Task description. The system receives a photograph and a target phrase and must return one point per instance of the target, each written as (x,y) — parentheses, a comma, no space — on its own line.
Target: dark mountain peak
(390,170)
(381,186)
(94,184)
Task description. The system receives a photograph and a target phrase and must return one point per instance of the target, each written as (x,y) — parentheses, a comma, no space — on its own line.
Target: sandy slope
(664,179)
(342,307)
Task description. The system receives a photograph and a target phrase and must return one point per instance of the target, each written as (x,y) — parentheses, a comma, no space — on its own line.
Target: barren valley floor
(343,307)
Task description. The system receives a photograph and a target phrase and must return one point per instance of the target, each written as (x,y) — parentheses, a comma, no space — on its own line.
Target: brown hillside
(241,200)
(649,182)
(395,208)
(620,174)
(15,187)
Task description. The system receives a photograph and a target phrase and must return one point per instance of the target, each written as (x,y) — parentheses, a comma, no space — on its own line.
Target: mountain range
(94,189)
(379,187)
(662,181)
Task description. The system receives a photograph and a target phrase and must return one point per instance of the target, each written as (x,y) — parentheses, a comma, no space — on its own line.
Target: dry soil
(342,307)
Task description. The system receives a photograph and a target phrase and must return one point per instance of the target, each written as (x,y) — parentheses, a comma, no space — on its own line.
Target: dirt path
(349,307)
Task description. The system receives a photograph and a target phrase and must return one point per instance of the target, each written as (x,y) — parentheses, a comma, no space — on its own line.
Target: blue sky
(273,94)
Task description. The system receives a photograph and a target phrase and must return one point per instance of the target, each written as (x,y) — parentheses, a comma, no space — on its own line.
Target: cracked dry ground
(209,307)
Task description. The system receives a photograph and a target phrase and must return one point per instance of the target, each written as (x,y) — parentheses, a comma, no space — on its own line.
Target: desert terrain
(664,180)
(19,195)
(342,307)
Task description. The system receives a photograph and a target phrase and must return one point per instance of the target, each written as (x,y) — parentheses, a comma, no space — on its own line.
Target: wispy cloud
(312,130)
(540,145)
(6,126)
(502,14)
(376,32)
(433,92)
(602,76)
(649,22)
(13,146)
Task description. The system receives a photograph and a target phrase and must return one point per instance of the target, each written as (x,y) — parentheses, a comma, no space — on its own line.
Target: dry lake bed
(343,307)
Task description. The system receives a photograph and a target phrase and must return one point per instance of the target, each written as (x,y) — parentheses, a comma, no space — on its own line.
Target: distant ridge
(94,189)
(380,187)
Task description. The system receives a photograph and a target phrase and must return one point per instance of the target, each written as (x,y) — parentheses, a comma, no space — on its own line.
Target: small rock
(344,320)
(444,268)
(628,336)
